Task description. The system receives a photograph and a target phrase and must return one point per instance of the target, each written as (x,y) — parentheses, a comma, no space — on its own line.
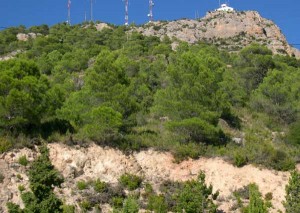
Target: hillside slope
(108,164)
(228,30)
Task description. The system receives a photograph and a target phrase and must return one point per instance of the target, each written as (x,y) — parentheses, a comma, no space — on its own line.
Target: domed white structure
(225,8)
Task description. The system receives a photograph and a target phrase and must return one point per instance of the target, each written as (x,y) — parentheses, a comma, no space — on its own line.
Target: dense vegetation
(43,178)
(115,87)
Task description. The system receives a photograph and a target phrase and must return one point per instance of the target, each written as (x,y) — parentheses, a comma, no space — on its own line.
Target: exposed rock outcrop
(228,30)
(77,163)
(26,37)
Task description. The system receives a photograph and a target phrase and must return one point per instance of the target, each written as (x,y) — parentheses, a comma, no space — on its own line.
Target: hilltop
(228,30)
(95,116)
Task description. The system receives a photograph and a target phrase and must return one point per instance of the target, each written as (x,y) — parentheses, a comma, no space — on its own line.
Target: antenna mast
(69,12)
(150,15)
(92,18)
(126,13)
(85,3)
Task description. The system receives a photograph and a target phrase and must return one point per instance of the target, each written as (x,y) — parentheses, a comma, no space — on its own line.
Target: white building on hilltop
(225,8)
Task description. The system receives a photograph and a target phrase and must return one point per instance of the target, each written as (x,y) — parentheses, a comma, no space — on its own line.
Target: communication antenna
(85,3)
(126,13)
(69,12)
(91,8)
(150,15)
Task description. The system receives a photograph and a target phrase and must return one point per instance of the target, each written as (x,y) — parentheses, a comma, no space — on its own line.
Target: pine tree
(292,203)
(257,204)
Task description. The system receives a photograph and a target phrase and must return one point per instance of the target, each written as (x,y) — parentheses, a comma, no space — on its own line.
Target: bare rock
(228,30)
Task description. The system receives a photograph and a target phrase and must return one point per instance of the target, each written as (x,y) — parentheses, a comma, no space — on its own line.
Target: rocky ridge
(228,30)
(78,163)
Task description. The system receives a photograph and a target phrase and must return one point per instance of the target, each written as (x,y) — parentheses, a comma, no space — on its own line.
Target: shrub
(130,205)
(269,196)
(256,204)
(192,150)
(240,160)
(85,205)
(81,185)
(23,160)
(43,178)
(13,208)
(21,188)
(292,196)
(157,204)
(280,160)
(19,177)
(102,125)
(197,130)
(1,177)
(68,209)
(196,197)
(294,133)
(130,181)
(99,186)
(5,145)
(231,119)
(117,202)
(148,190)
(242,192)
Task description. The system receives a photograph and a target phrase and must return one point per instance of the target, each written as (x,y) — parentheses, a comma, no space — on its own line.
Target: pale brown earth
(77,163)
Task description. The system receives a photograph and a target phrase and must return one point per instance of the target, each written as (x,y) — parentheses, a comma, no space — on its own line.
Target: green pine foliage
(292,203)
(196,197)
(43,178)
(130,205)
(257,204)
(130,181)
(119,88)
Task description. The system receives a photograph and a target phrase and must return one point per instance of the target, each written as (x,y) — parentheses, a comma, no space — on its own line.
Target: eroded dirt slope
(77,163)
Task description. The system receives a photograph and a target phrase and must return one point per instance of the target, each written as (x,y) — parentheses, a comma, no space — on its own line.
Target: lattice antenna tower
(150,15)
(69,12)
(126,12)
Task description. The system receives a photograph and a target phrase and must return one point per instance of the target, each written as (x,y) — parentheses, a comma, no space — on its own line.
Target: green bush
(85,205)
(1,177)
(117,202)
(256,204)
(157,204)
(197,130)
(192,150)
(43,178)
(82,185)
(292,196)
(240,160)
(269,196)
(13,208)
(99,186)
(19,176)
(281,161)
(23,160)
(130,205)
(68,209)
(130,181)
(196,197)
(21,188)
(294,133)
(5,145)
(102,125)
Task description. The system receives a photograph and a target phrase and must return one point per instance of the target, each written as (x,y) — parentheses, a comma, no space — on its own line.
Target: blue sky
(285,13)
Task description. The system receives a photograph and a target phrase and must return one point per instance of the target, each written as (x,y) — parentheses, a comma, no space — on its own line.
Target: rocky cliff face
(228,30)
(77,163)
